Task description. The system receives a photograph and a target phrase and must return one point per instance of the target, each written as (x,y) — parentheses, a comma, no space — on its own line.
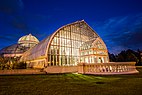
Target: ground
(71,84)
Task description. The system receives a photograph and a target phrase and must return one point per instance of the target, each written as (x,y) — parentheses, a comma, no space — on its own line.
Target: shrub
(20,65)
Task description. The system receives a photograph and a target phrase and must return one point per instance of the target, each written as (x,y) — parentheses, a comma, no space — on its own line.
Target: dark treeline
(127,56)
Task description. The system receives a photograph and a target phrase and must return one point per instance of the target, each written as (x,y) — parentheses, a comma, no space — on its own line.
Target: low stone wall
(61,69)
(107,68)
(21,71)
(82,68)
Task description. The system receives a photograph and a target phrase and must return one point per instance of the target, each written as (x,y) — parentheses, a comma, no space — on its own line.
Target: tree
(11,63)
(112,57)
(127,56)
(121,57)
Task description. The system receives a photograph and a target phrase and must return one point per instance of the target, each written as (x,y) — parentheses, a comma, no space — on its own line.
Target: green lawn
(71,84)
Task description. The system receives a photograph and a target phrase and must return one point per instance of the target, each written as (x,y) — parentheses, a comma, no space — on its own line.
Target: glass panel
(64,48)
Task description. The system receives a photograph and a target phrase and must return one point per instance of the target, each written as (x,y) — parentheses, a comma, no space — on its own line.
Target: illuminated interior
(28,41)
(94,51)
(75,47)
(71,44)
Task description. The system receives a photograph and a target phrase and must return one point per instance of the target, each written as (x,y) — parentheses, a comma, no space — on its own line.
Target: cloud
(19,22)
(121,33)
(24,24)
(9,22)
(7,40)
(11,6)
(15,22)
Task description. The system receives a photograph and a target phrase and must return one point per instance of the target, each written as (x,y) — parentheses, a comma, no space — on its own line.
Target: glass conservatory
(16,50)
(69,45)
(75,47)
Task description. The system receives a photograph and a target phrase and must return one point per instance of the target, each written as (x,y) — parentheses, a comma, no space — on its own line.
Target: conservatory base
(111,68)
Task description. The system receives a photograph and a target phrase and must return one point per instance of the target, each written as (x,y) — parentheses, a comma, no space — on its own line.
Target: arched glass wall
(64,47)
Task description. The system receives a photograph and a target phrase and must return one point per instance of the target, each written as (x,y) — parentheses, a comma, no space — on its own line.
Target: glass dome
(28,40)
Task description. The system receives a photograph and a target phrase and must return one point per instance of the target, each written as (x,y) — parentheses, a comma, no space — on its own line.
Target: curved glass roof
(24,43)
(37,51)
(13,49)
(78,28)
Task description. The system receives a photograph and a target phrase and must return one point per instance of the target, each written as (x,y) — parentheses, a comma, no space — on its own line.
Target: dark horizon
(118,22)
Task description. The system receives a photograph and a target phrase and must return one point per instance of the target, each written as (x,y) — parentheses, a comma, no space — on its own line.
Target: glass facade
(68,46)
(65,45)
(94,51)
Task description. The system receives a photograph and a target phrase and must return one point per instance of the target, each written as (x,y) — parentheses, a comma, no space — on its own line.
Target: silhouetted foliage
(11,63)
(112,57)
(20,65)
(127,56)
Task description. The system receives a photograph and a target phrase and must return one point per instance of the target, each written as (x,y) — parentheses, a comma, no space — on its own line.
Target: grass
(71,84)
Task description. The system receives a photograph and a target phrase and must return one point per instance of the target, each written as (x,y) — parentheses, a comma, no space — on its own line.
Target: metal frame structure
(63,47)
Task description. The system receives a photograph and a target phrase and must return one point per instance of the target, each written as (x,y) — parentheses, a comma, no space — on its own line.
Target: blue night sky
(118,22)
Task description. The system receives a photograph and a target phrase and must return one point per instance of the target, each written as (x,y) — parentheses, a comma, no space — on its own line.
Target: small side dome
(28,40)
